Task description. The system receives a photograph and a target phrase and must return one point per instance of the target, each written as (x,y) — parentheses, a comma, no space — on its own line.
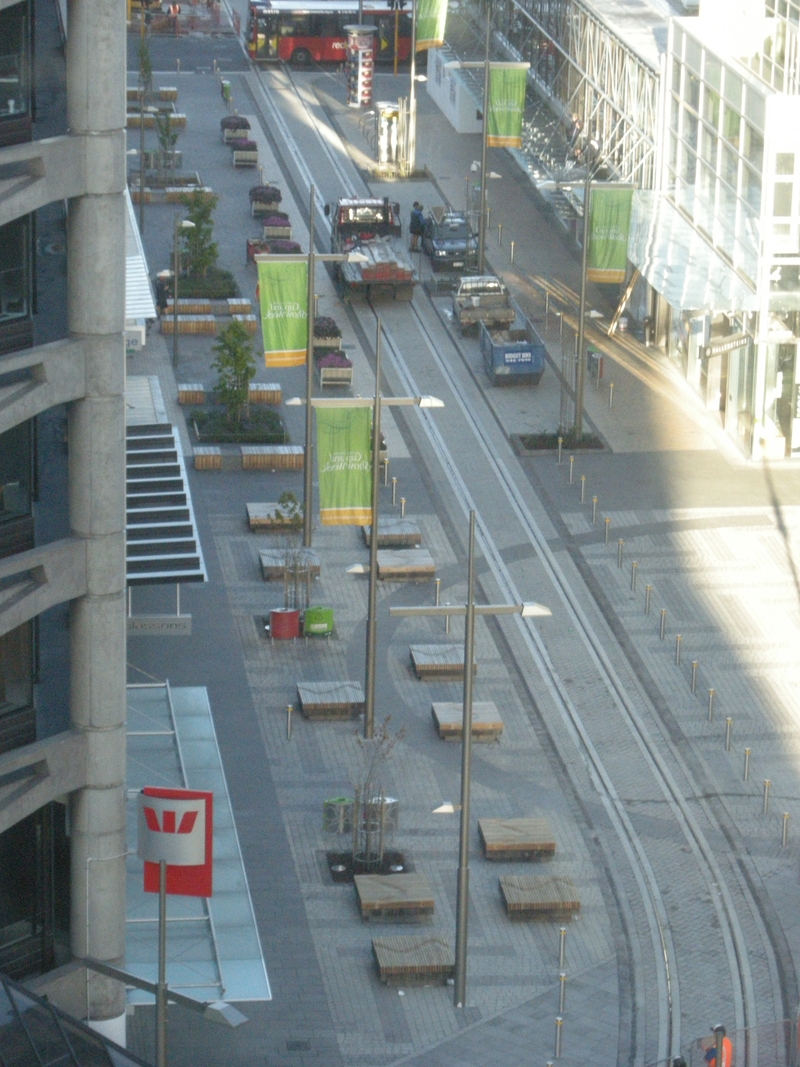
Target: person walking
(720,1037)
(417,225)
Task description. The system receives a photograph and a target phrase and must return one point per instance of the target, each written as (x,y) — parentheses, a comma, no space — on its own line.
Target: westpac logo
(172,829)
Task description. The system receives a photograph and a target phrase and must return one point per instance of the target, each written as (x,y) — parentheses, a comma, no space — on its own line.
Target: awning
(139,303)
(678,263)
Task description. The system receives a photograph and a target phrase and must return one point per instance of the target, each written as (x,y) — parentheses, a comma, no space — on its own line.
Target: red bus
(314,33)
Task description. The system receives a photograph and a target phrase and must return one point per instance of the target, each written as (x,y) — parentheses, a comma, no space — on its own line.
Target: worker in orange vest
(727,1048)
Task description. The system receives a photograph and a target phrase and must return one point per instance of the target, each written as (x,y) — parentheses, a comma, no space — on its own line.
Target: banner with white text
(283,296)
(609,225)
(507,84)
(345,471)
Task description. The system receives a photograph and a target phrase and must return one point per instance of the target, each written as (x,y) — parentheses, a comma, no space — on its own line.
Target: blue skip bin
(513,355)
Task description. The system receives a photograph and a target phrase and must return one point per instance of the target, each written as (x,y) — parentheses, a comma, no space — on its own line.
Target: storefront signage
(160,625)
(176,827)
(726,344)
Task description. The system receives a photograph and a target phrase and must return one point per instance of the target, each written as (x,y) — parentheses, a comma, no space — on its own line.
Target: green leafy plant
(235,367)
(201,248)
(167,139)
(145,66)
(289,510)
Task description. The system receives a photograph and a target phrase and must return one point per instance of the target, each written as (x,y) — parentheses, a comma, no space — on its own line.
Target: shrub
(275,220)
(266,194)
(234,122)
(325,326)
(235,368)
(201,248)
(242,144)
(334,359)
(282,247)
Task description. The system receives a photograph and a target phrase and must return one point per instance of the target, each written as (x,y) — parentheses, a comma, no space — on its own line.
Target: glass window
(753,147)
(784,163)
(782,200)
(733,87)
(15,472)
(14,62)
(15,272)
(693,91)
(751,188)
(731,123)
(709,152)
(711,108)
(713,71)
(676,75)
(754,108)
(729,166)
(693,54)
(690,124)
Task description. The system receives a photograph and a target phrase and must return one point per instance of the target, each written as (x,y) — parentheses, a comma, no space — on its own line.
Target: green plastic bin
(318,622)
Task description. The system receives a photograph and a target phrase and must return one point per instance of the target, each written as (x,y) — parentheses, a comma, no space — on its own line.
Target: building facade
(62,504)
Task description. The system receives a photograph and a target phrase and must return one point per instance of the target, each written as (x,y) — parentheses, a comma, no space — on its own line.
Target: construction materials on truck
(371,227)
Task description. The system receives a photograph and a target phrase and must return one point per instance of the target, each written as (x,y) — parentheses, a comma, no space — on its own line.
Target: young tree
(235,367)
(167,138)
(201,248)
(145,67)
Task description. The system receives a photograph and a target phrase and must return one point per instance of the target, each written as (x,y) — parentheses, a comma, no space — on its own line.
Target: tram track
(661,765)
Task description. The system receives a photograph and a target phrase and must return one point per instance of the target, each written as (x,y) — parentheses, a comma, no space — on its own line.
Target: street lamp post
(484,149)
(590,149)
(469,611)
(182,224)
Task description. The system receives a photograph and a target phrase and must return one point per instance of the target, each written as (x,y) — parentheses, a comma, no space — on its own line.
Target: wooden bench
(191,393)
(394,533)
(414,960)
(208,458)
(329,701)
(265,393)
(272,457)
(527,898)
(507,840)
(250,322)
(239,305)
(438,661)
(264,517)
(189,305)
(449,720)
(274,562)
(394,897)
(405,564)
(195,324)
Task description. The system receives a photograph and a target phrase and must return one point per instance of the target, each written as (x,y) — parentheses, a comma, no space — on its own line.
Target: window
(15,270)
(782,200)
(14,63)
(784,163)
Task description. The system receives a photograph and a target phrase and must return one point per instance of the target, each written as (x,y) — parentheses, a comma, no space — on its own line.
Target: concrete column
(96,273)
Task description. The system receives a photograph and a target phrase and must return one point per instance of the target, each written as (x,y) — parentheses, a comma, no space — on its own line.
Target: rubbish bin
(596,364)
(284,623)
(318,622)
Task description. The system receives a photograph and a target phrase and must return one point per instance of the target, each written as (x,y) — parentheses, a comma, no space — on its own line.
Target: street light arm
(527,611)
(366,402)
(320,257)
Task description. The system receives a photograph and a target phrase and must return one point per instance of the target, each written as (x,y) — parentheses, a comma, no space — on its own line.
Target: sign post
(175,835)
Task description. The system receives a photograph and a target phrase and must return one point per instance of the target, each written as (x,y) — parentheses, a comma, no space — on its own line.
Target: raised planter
(233,127)
(328,343)
(245,152)
(265,200)
(335,376)
(276,225)
(256,246)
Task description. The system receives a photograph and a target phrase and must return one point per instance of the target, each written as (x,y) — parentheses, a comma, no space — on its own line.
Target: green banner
(431,17)
(345,472)
(283,298)
(609,224)
(507,83)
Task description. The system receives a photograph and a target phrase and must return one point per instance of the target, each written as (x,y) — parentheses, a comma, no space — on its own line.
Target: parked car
(448,240)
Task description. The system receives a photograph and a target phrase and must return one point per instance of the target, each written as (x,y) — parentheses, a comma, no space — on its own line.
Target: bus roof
(314,6)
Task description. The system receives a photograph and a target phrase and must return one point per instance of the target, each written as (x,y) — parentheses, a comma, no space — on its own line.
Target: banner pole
(308,486)
(161,988)
(484,148)
(372,622)
(581,368)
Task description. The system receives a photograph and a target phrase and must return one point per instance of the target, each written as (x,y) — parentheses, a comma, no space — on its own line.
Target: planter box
(328,342)
(233,135)
(256,246)
(277,231)
(335,376)
(250,322)
(272,457)
(237,305)
(208,458)
(189,306)
(153,160)
(192,393)
(168,92)
(263,207)
(245,157)
(189,324)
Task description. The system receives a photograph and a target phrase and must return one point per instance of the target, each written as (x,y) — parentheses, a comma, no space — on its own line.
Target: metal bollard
(447,618)
(500,233)
(385,472)
(678,643)
(710,705)
(663,630)
(289,709)
(562,992)
(559,1024)
(562,947)
(695,665)
(179,66)
(634,569)
(560,444)
(620,547)
(728,729)
(512,251)
(394,491)
(583,488)
(611,394)
(785,830)
(608,526)
(648,589)
(746,775)
(438,586)
(767,784)
(402,507)
(571,465)
(594,511)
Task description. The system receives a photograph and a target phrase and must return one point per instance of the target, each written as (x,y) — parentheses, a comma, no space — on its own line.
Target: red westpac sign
(177,826)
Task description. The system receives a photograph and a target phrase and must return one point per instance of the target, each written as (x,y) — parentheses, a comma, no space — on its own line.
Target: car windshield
(452,230)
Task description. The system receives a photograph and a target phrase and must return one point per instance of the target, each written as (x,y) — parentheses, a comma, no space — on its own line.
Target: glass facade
(15,82)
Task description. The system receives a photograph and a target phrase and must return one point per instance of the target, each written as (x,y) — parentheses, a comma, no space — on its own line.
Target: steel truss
(583,69)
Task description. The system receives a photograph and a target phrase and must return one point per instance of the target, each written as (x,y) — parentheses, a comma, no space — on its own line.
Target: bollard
(402,507)
(562,947)
(634,568)
(560,443)
(559,1024)
(394,491)
(611,394)
(512,251)
(500,233)
(710,705)
(179,66)
(695,665)
(608,525)
(728,729)
(583,488)
(648,589)
(594,511)
(620,547)
(767,784)
(571,465)
(438,586)
(289,709)
(678,643)
(785,830)
(663,630)
(746,775)
(447,618)
(385,472)
(562,991)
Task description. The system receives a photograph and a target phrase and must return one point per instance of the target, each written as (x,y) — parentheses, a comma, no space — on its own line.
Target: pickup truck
(514,354)
(372,228)
(482,299)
